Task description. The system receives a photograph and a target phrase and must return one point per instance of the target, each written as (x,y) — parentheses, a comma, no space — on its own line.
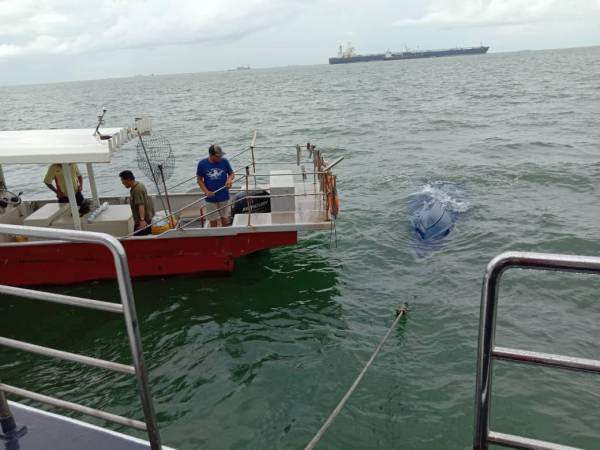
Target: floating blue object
(435,209)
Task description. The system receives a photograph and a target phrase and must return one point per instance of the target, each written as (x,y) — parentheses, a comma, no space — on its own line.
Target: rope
(400,311)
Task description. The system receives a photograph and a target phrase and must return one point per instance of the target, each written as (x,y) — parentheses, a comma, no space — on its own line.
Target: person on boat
(141,204)
(215,177)
(55,175)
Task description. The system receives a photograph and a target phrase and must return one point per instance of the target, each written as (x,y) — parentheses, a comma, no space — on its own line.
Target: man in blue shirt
(215,177)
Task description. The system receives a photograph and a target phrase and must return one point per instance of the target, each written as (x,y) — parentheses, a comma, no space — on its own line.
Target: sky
(63,40)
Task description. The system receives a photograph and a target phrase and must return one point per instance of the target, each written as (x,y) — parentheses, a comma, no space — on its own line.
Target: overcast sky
(59,40)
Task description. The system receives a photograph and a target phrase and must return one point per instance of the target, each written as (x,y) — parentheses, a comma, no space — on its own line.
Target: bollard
(7,421)
(8,426)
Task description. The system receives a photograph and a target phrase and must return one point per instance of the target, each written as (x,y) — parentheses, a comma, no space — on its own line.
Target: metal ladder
(488,351)
(126,308)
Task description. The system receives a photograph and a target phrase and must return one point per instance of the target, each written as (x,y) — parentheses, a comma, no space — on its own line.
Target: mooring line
(400,312)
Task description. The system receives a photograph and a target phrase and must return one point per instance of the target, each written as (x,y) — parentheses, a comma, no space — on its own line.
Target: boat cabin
(65,147)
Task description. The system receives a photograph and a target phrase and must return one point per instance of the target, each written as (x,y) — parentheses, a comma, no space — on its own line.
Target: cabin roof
(65,145)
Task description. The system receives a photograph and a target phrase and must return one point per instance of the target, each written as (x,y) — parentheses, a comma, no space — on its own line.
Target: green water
(258,359)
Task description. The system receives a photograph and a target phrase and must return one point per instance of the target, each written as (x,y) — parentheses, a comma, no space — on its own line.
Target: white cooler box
(116,220)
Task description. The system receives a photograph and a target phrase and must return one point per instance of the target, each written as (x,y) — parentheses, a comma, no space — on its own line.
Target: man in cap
(215,176)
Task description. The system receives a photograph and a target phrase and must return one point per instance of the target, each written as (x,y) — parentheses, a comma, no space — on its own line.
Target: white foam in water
(446,193)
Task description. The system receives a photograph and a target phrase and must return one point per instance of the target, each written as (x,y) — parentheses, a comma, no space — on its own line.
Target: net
(158,155)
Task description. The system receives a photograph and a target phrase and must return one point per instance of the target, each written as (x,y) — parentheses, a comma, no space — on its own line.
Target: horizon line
(84,80)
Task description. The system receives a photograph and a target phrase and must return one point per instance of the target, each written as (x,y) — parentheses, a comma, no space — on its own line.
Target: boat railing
(315,157)
(321,169)
(488,351)
(247,198)
(126,307)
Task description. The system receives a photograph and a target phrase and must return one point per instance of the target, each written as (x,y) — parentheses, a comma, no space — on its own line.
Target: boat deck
(46,430)
(308,212)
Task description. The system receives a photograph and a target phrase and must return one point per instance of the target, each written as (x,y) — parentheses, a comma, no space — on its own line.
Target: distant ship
(350,56)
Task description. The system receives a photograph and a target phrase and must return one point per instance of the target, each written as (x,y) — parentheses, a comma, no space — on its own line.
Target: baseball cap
(216,150)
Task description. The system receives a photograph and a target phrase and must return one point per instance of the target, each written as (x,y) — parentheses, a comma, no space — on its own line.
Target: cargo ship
(349,55)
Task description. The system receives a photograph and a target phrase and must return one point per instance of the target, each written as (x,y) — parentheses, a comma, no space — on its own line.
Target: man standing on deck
(215,177)
(141,205)
(55,175)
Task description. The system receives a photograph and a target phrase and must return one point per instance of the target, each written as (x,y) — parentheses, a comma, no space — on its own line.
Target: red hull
(64,263)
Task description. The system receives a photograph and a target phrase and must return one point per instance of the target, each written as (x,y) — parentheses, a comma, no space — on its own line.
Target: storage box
(116,220)
(282,183)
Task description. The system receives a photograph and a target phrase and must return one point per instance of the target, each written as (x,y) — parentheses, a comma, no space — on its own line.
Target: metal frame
(127,308)
(487,350)
(67,175)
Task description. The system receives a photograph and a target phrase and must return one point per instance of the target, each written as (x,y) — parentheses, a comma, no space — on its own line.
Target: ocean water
(259,358)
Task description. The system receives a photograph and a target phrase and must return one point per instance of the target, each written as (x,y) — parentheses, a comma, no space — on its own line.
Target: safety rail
(126,307)
(245,199)
(487,350)
(321,174)
(314,156)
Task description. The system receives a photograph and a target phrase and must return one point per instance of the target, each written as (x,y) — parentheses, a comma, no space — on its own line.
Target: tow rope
(400,312)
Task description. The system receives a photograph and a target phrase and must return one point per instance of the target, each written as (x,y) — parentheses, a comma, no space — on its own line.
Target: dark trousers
(143,232)
(78,197)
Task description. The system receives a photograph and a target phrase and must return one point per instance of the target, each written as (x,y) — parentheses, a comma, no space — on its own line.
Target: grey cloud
(498,13)
(71,27)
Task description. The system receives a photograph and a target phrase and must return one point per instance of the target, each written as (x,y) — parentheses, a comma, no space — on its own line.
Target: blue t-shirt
(215,176)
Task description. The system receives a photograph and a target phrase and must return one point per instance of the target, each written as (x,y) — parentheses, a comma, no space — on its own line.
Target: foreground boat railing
(126,307)
(487,350)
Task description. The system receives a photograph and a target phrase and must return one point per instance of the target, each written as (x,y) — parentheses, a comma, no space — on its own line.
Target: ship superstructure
(350,55)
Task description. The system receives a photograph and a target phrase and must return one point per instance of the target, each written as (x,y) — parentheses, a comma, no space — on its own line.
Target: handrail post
(248,201)
(92,182)
(252,145)
(487,327)
(313,152)
(68,179)
(135,341)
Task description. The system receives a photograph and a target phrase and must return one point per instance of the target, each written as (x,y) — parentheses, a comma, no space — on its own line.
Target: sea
(259,358)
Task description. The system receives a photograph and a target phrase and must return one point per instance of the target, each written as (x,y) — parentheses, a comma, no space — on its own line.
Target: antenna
(100,123)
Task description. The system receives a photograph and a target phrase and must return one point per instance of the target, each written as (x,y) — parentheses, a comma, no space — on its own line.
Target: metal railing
(126,307)
(487,350)
(204,216)
(319,170)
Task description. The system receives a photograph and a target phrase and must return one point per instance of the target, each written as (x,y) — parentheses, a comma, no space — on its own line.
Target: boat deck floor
(309,209)
(51,431)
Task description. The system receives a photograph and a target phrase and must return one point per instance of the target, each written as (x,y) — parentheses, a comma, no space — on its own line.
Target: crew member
(55,175)
(215,177)
(141,205)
